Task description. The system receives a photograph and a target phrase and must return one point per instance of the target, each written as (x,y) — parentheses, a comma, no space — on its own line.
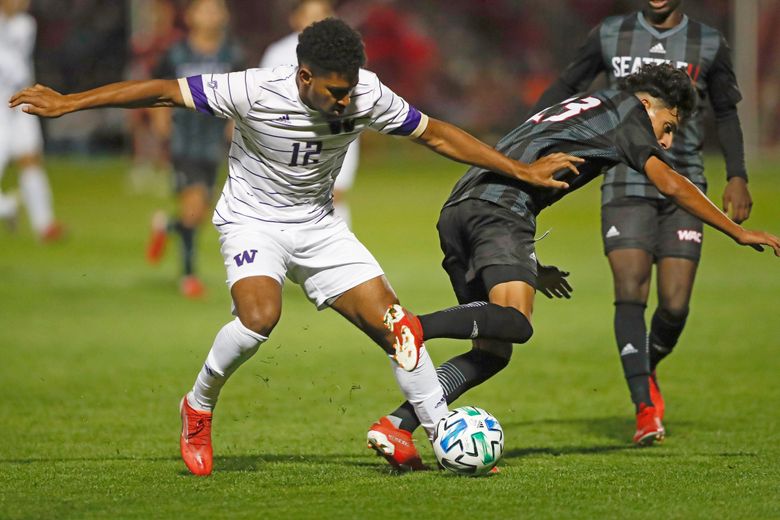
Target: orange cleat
(648,426)
(408,336)
(656,397)
(395,445)
(192,288)
(195,441)
(158,238)
(54,232)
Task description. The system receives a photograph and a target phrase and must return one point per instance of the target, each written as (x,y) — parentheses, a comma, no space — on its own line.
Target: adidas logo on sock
(474,330)
(628,350)
(612,232)
(658,48)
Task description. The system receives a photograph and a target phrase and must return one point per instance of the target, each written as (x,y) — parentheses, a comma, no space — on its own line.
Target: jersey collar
(667,33)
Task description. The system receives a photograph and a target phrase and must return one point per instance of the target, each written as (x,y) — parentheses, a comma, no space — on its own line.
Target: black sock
(456,376)
(477,320)
(631,335)
(187,235)
(665,330)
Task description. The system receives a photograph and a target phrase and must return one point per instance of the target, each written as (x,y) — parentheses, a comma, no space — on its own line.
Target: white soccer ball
(469,441)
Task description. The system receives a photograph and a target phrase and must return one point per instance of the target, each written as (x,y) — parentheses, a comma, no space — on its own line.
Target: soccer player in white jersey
(282,52)
(275,215)
(21,135)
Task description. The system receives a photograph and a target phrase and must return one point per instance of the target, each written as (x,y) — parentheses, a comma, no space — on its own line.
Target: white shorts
(325,258)
(20,132)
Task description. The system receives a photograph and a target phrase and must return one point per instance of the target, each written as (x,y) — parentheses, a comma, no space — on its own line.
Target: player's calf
(478,320)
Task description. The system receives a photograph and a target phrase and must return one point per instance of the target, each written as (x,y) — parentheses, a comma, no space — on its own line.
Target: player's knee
(501,350)
(260,318)
(631,286)
(513,324)
(673,314)
(632,290)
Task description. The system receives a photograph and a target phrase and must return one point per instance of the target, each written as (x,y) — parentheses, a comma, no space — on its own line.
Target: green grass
(97,348)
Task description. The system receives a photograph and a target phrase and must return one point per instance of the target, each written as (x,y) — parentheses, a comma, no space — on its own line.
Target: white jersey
(284,155)
(17,42)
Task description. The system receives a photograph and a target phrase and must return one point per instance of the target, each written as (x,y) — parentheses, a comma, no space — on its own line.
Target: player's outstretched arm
(688,196)
(46,102)
(452,142)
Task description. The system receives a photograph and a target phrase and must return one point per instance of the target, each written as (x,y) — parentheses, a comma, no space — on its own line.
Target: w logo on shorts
(689,235)
(245,257)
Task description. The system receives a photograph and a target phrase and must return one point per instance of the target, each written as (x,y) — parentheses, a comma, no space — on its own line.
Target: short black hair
(665,82)
(331,46)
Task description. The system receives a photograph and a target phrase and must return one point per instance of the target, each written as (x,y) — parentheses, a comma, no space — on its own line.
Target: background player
(640,226)
(22,135)
(487,228)
(275,218)
(197,142)
(282,52)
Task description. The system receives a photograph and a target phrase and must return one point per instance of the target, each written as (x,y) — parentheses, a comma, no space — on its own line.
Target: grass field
(97,348)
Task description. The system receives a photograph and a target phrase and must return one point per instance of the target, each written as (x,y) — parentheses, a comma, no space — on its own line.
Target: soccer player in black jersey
(487,228)
(639,225)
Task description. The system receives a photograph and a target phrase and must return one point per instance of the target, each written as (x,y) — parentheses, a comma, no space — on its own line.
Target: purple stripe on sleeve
(410,124)
(198,96)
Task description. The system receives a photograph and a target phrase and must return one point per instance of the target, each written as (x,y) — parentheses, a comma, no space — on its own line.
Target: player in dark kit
(487,228)
(639,226)
(197,142)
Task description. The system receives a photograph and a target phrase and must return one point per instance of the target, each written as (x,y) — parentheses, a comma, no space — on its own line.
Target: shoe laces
(197,430)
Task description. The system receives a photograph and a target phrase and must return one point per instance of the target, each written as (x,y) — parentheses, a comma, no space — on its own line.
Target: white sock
(233,345)
(8,206)
(36,194)
(422,389)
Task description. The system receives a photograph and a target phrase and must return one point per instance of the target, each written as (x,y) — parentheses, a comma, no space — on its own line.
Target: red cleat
(54,232)
(656,397)
(192,288)
(395,445)
(158,238)
(408,336)
(195,440)
(648,426)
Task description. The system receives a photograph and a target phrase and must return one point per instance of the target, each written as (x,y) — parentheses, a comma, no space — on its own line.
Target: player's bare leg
(258,303)
(367,307)
(631,272)
(675,285)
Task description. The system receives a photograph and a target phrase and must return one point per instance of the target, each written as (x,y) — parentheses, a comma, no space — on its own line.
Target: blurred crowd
(479,63)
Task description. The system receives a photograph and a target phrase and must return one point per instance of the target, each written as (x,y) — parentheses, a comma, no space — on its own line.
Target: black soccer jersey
(606,128)
(618,47)
(194,135)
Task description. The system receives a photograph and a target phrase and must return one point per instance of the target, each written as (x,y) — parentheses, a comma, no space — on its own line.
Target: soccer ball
(469,441)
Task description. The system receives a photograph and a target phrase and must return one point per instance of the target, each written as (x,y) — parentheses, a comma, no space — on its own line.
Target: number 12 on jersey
(573,108)
(310,154)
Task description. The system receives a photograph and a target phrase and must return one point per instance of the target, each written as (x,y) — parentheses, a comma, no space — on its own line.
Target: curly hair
(665,82)
(331,46)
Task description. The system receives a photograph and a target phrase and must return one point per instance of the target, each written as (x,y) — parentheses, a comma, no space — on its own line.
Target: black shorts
(484,245)
(189,172)
(658,226)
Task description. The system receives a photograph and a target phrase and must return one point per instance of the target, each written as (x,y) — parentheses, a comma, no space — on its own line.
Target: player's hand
(552,282)
(540,172)
(40,101)
(756,239)
(736,200)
